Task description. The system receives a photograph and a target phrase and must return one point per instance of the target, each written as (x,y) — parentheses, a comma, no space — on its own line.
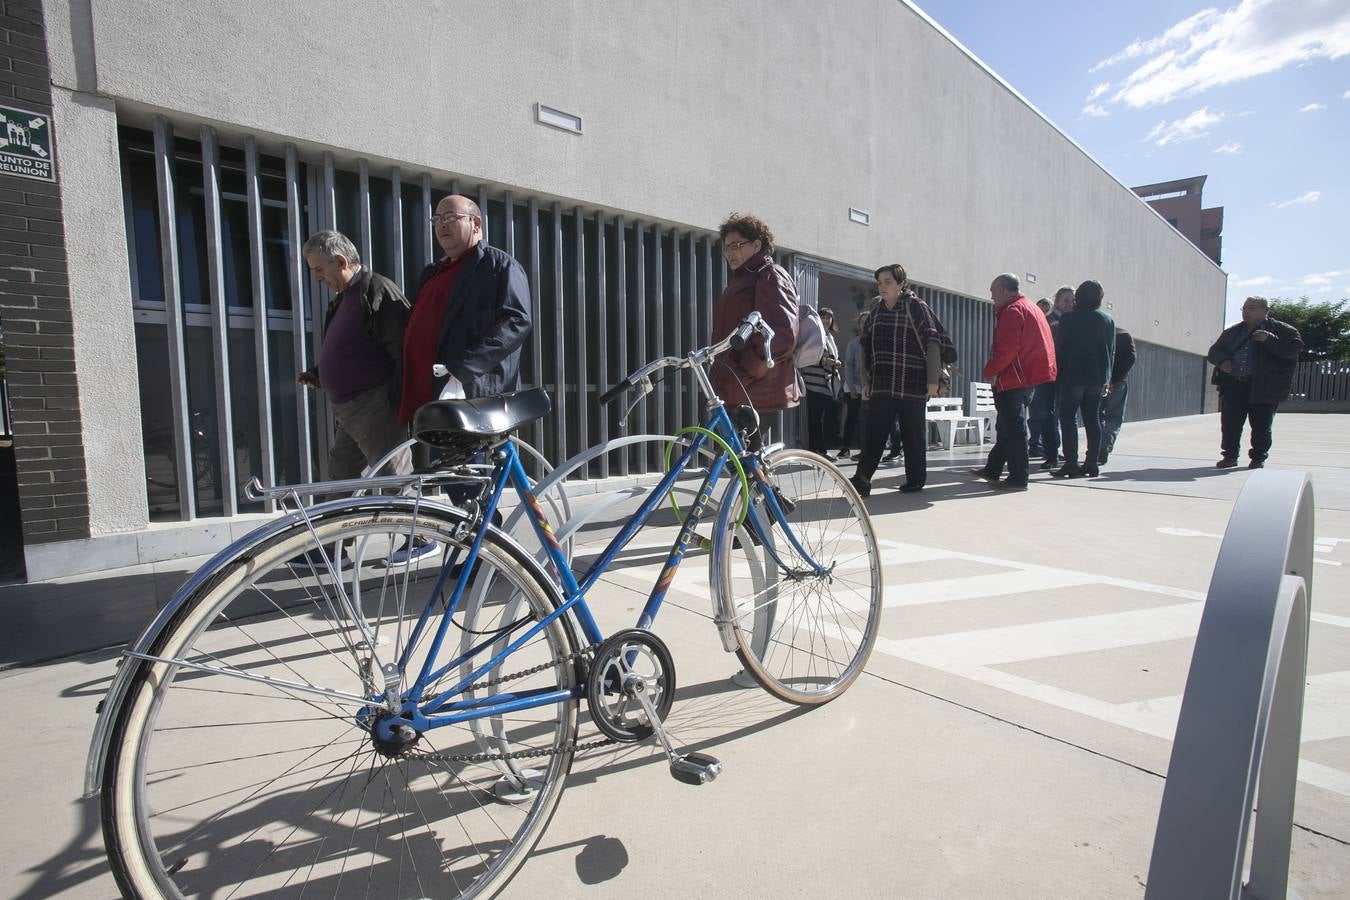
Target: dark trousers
(852,417)
(1087,399)
(879,416)
(1010,435)
(1044,424)
(1236,410)
(822,421)
(1113,415)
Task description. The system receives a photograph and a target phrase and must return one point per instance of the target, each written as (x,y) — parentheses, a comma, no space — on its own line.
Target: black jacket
(387,312)
(1273,360)
(486,322)
(1125,355)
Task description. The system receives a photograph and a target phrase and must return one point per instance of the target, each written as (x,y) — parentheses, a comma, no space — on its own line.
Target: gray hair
(329,245)
(1008,281)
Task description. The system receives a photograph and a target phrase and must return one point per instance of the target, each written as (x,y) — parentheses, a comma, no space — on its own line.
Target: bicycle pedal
(695,768)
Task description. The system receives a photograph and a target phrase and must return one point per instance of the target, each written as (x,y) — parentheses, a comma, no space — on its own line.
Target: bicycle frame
(508,470)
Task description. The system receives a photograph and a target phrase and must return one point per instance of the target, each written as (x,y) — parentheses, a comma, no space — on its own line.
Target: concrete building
(156,310)
(1179,203)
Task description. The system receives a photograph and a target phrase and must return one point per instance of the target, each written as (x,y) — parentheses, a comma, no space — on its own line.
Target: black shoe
(1068,470)
(1050,462)
(910,488)
(1257,464)
(1103,457)
(862,487)
(982,472)
(891,457)
(1226,462)
(843,454)
(1091,471)
(318,560)
(1035,452)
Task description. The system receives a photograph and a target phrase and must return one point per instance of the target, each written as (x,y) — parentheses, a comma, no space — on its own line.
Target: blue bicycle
(380,695)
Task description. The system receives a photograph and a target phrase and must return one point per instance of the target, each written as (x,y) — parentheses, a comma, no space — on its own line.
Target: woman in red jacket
(742,377)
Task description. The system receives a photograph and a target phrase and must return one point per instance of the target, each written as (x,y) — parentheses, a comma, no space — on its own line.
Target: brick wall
(35,306)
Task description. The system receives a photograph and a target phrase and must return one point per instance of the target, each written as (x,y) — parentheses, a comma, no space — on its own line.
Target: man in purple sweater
(360,363)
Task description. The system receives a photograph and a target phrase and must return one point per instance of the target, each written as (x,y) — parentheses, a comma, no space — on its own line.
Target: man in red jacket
(1022,356)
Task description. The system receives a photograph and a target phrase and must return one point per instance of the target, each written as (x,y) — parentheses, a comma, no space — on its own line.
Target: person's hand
(1226,366)
(308,379)
(854,395)
(1259,335)
(866,392)
(932,390)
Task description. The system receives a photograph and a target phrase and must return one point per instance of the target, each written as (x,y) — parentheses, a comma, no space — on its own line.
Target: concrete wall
(691,109)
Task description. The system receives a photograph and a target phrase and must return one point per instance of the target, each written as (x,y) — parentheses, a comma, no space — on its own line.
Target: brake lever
(767,331)
(643,388)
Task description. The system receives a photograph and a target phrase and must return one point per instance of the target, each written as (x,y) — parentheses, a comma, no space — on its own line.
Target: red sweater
(1023,351)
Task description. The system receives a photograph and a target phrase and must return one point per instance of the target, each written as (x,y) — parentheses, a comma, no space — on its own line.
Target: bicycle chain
(572,746)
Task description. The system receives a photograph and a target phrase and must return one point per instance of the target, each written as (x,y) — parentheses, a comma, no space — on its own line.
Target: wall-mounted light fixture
(556,118)
(861,216)
(1031,278)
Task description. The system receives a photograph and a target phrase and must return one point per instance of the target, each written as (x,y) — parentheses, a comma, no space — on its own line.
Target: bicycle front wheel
(249,765)
(803,590)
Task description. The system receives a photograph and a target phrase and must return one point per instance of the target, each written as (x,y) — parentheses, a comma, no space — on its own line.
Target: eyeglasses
(449,218)
(733,246)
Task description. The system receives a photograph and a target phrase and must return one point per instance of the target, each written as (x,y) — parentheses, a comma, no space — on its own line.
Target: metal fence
(1321,382)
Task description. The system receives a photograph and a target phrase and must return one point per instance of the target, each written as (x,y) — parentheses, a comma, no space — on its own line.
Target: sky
(1255,94)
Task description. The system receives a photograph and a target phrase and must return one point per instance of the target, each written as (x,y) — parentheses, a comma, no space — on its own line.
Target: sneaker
(1050,462)
(421,548)
(316,561)
(1257,464)
(1226,462)
(862,487)
(1068,470)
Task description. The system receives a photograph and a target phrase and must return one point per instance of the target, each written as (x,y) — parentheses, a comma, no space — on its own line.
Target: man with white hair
(360,365)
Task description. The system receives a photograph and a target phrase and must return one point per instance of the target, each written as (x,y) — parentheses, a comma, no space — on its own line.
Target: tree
(1325,326)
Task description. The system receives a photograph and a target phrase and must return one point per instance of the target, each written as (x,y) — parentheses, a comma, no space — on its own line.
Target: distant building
(1179,203)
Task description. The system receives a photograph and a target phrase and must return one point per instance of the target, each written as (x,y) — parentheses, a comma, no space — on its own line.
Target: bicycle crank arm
(690,767)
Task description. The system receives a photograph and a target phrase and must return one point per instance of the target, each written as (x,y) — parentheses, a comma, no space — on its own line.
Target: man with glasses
(471,313)
(1254,365)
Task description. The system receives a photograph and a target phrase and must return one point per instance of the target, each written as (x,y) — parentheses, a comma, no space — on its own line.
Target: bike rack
(1237,738)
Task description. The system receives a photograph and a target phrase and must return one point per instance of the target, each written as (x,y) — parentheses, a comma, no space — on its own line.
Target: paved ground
(1009,739)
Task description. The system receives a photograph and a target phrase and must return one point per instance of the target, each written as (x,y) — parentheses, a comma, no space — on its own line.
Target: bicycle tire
(187,804)
(805,638)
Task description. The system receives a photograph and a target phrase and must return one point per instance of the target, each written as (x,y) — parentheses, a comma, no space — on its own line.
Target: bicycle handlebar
(735,341)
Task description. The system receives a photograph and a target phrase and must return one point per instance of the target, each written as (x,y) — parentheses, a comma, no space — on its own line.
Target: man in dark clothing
(1044,422)
(1085,344)
(1021,357)
(1254,362)
(471,313)
(360,363)
(1113,404)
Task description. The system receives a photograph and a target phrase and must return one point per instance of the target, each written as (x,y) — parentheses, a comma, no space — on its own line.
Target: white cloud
(1093,111)
(1213,48)
(1232,147)
(1312,107)
(1304,200)
(1345,96)
(1193,126)
(1098,91)
(1254,282)
(1321,278)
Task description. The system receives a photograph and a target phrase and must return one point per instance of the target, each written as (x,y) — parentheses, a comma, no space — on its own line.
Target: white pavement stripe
(975,586)
(1014,643)
(1326,709)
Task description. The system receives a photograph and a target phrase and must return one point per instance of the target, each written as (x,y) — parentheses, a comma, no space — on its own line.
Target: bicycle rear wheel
(221,785)
(803,636)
